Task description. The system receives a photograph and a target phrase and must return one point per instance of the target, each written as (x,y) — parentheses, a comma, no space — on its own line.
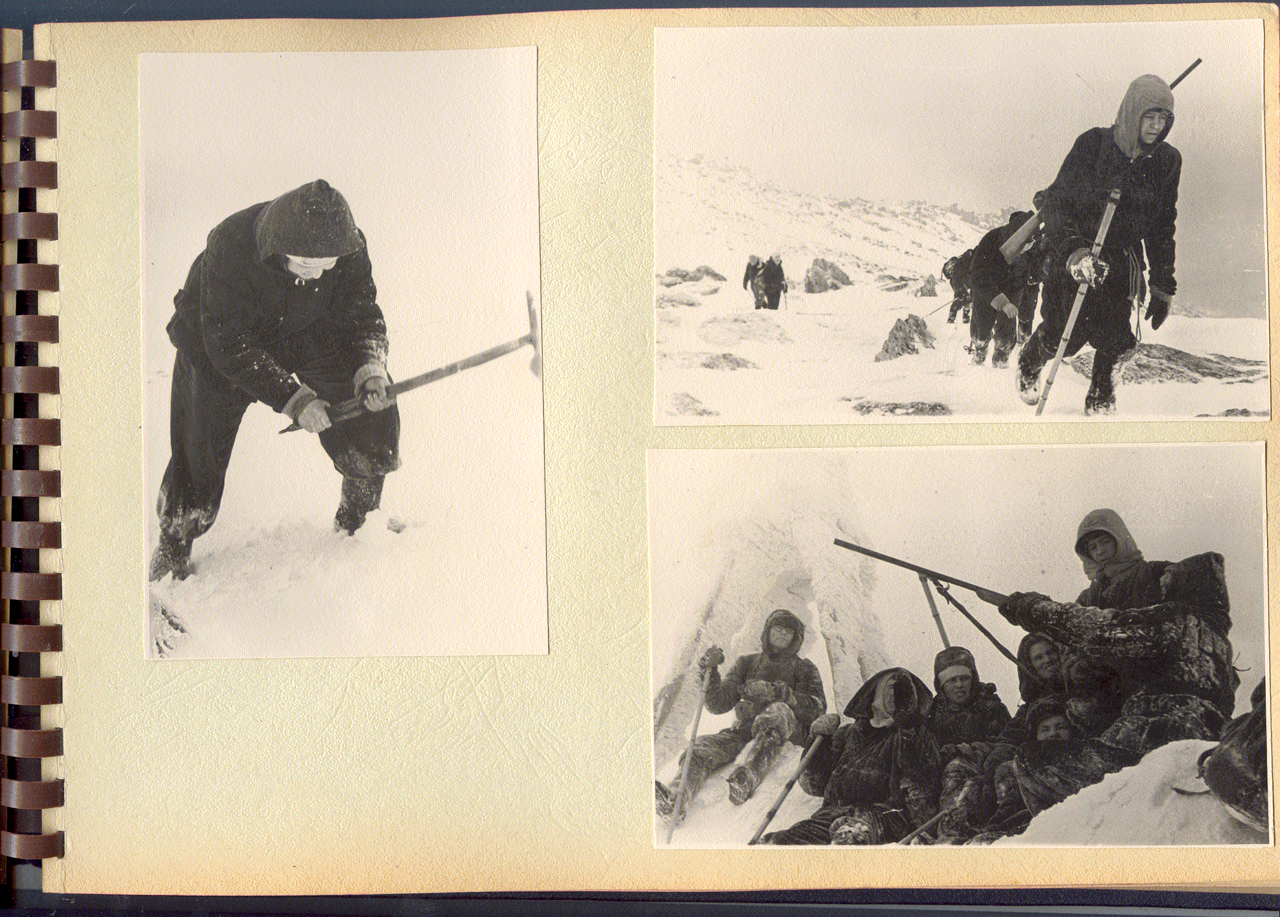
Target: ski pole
(939,817)
(1112,200)
(946,594)
(993,598)
(688,755)
(777,803)
(940,308)
(353,408)
(933,606)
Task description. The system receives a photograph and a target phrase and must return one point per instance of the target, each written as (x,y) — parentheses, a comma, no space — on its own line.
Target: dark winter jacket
(771,276)
(990,275)
(239,303)
(753,268)
(981,720)
(876,759)
(796,681)
(1103,158)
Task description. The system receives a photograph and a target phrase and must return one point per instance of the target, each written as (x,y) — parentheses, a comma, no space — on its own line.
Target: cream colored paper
(466,774)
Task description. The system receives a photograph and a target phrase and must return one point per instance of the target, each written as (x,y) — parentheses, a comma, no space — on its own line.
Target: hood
(313,221)
(862,705)
(782,616)
(1030,686)
(1145,93)
(1127,554)
(951,658)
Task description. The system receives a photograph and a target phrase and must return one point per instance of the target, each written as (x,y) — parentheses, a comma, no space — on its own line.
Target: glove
(1002,303)
(762,692)
(1015,608)
(308,410)
(710,659)
(370,384)
(825,725)
(1158,308)
(1084,267)
(782,691)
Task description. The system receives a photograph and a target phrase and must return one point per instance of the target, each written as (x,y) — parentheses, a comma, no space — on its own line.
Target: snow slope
(718,361)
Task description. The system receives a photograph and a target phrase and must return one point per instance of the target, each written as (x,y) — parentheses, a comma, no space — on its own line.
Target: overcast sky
(1003,518)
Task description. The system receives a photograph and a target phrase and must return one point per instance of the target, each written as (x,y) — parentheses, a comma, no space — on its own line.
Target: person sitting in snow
(1054,762)
(1160,627)
(879,775)
(956,271)
(280,307)
(1002,290)
(1235,770)
(753,281)
(967,718)
(1131,155)
(772,281)
(774,695)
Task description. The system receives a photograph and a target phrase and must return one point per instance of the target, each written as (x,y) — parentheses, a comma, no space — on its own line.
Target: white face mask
(308,268)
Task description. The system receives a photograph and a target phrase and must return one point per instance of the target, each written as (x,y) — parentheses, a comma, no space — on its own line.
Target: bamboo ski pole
(777,803)
(1112,200)
(946,594)
(933,606)
(688,755)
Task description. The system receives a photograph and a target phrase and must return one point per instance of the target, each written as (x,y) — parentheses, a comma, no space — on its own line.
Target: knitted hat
(951,662)
(313,221)
(1041,710)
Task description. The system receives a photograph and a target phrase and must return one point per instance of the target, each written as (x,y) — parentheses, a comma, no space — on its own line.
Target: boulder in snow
(668,299)
(684,404)
(681,275)
(908,335)
(823,275)
(1158,363)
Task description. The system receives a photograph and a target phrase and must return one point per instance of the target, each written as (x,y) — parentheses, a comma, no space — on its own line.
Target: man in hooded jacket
(1160,627)
(1002,290)
(1131,155)
(956,272)
(879,775)
(774,695)
(281,308)
(773,281)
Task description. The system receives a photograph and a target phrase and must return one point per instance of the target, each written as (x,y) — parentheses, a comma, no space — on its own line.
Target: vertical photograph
(1072,654)
(341,354)
(960,223)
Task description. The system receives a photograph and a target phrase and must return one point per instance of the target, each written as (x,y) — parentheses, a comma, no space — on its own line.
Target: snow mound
(1139,806)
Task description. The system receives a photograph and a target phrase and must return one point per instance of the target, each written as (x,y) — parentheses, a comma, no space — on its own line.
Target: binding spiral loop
(25,535)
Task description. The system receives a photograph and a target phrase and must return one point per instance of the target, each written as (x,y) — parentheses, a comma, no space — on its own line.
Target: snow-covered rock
(908,335)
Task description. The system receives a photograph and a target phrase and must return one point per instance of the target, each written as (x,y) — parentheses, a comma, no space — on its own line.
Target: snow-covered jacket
(1161,627)
(239,301)
(873,761)
(1103,158)
(981,720)
(990,275)
(796,681)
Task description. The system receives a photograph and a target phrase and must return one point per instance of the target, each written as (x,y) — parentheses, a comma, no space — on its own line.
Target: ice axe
(353,408)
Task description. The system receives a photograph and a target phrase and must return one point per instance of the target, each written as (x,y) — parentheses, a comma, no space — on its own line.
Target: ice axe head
(535,364)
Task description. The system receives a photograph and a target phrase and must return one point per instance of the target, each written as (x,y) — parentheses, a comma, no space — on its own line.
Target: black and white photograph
(342,354)
(1035,646)
(960,222)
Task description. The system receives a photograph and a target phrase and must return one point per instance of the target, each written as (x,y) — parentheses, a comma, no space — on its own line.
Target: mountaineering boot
(172,555)
(860,828)
(360,496)
(1000,355)
(979,351)
(1101,398)
(671,809)
(1030,364)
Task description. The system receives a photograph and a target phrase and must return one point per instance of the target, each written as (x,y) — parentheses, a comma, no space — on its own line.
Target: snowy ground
(719,361)
(467,576)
